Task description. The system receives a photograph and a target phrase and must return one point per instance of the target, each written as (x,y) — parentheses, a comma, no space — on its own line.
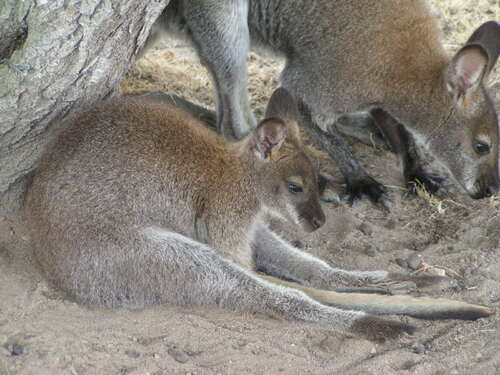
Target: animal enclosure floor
(459,236)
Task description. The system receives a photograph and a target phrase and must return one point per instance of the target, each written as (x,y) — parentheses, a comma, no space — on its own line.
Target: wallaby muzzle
(312,216)
(488,190)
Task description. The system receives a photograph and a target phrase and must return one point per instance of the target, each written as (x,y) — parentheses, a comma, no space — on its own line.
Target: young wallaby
(346,59)
(136,203)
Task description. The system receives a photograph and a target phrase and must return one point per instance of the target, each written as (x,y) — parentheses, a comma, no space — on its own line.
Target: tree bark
(55,55)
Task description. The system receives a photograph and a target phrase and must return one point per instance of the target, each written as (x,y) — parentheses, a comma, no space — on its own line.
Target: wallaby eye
(482,148)
(294,188)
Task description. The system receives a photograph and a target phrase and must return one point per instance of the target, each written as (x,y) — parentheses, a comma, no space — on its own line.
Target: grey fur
(137,203)
(343,58)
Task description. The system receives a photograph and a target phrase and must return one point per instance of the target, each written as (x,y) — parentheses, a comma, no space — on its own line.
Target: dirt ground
(42,332)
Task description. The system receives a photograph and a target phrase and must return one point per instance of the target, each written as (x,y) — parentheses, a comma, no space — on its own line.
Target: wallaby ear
(389,127)
(268,137)
(466,70)
(282,105)
(488,37)
(475,60)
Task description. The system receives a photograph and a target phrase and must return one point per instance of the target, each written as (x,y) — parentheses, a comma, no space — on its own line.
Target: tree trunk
(55,55)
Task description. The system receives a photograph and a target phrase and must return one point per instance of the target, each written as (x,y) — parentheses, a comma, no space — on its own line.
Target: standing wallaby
(136,203)
(363,68)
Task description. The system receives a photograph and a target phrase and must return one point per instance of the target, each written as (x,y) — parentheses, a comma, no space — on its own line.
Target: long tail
(417,307)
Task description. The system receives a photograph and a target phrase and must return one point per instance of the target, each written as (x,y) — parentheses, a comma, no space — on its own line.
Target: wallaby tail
(421,307)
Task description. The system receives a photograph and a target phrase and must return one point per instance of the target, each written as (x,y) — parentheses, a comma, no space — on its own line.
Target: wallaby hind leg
(220,32)
(421,307)
(205,115)
(198,275)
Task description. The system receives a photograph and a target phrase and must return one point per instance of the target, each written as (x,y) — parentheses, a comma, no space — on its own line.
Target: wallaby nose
(491,190)
(318,221)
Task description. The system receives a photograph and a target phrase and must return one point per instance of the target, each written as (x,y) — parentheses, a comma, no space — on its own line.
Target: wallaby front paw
(431,182)
(377,329)
(367,186)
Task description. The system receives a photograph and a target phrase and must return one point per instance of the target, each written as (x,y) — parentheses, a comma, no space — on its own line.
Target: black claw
(369,187)
(431,182)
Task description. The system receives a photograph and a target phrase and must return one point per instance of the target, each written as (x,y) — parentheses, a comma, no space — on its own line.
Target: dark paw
(378,329)
(369,187)
(431,182)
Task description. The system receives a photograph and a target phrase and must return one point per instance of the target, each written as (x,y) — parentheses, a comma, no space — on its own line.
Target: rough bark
(55,55)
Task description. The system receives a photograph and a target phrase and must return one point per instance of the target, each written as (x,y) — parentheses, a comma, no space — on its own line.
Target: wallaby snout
(488,188)
(312,216)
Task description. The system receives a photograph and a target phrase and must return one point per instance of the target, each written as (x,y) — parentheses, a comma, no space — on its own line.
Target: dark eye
(294,189)
(482,148)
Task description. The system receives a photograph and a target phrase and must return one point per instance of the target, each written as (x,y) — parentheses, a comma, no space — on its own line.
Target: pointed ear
(282,105)
(389,127)
(466,70)
(488,37)
(474,61)
(268,137)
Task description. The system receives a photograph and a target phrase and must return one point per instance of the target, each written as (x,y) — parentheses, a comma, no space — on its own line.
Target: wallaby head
(458,124)
(468,141)
(288,180)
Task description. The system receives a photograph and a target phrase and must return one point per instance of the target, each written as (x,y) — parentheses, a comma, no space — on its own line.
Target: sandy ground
(41,332)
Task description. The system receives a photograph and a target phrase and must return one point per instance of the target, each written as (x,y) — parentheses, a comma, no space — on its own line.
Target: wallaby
(137,203)
(348,59)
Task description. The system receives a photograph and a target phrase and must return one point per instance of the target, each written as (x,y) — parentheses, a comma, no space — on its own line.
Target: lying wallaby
(136,203)
(345,58)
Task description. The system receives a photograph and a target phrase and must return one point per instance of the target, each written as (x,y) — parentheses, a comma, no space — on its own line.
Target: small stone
(417,348)
(479,356)
(178,354)
(132,353)
(437,271)
(366,229)
(407,365)
(371,251)
(241,343)
(14,348)
(401,262)
(414,261)
(390,224)
(156,356)
(298,244)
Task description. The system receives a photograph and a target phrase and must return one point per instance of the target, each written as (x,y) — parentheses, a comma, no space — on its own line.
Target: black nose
(491,190)
(317,222)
